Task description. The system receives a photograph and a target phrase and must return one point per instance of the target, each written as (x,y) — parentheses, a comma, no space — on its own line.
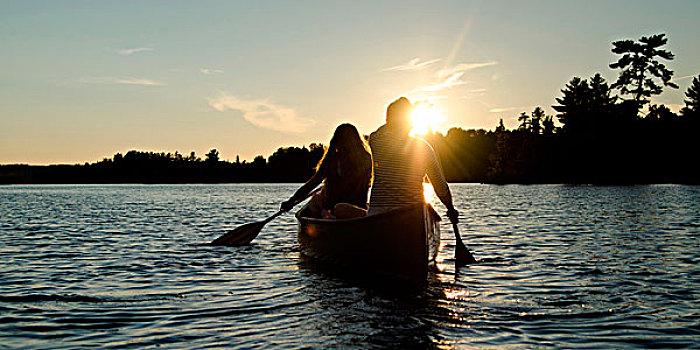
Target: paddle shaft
(246,233)
(281,211)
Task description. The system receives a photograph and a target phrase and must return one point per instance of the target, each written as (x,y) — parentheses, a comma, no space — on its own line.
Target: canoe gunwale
(389,213)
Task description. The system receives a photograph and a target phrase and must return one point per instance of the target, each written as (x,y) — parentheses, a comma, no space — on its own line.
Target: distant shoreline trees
(603,139)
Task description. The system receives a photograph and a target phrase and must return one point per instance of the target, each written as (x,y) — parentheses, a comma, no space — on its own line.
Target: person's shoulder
(378,136)
(421,144)
(380,130)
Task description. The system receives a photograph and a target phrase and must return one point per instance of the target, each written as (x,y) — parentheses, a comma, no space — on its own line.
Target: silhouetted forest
(601,138)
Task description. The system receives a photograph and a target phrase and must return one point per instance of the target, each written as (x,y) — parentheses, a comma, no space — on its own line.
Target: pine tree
(639,66)
(524,120)
(500,128)
(692,104)
(584,104)
(548,125)
(537,118)
(574,105)
(600,92)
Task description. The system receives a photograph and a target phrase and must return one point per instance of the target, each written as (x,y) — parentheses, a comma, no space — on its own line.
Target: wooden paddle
(247,233)
(462,255)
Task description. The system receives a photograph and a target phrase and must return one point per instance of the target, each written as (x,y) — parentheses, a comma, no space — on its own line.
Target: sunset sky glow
(82,80)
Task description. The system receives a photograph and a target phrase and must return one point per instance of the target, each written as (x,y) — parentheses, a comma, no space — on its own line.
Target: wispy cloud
(684,77)
(449,77)
(413,64)
(463,67)
(209,71)
(123,81)
(511,109)
(138,81)
(474,93)
(131,51)
(263,113)
(451,81)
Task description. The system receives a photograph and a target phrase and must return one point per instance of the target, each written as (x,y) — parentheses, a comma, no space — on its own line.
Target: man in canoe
(401,162)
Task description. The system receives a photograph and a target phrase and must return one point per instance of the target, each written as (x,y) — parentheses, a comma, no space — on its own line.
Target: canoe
(400,244)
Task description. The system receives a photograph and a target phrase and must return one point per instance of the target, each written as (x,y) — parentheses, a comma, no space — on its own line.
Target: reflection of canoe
(399,244)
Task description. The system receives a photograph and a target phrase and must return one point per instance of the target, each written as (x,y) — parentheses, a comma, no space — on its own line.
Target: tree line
(606,138)
(602,138)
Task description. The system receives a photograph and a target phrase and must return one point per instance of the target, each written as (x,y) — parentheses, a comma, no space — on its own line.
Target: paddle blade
(240,236)
(462,255)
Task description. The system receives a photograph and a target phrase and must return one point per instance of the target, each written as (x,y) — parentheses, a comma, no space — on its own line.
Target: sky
(83,80)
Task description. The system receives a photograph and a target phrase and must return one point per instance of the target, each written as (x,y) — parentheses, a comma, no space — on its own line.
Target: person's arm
(437,179)
(314,181)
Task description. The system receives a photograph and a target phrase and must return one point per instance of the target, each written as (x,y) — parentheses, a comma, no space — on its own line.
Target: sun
(425,118)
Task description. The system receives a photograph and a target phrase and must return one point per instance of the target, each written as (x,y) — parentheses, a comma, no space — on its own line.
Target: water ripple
(124,266)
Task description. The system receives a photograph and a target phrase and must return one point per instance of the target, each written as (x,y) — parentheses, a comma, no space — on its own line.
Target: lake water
(124,266)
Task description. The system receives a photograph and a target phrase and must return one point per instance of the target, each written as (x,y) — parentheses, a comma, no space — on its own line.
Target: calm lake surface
(124,266)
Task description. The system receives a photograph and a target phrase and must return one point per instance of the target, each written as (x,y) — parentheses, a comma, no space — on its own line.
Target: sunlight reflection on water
(123,266)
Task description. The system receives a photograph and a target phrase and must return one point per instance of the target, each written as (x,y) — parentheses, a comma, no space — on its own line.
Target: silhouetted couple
(395,168)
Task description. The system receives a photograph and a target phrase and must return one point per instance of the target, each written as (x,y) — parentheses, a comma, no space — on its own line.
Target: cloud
(452,76)
(137,81)
(684,77)
(122,81)
(473,93)
(510,109)
(263,113)
(209,71)
(412,65)
(463,67)
(129,52)
(451,81)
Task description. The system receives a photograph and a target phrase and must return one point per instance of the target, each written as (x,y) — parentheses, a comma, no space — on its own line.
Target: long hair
(348,152)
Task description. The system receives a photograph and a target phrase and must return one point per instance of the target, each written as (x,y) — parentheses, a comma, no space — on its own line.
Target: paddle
(462,255)
(246,233)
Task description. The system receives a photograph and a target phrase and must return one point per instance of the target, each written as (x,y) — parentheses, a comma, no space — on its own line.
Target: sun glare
(425,117)
(429,193)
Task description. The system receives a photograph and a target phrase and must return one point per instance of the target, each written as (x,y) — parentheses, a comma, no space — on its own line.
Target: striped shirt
(400,165)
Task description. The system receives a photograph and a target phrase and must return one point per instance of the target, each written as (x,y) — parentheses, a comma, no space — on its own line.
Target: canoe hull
(400,244)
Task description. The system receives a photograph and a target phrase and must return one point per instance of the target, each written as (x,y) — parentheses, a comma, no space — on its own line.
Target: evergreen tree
(660,113)
(584,105)
(574,105)
(548,125)
(639,66)
(537,118)
(692,104)
(500,128)
(212,157)
(524,120)
(600,93)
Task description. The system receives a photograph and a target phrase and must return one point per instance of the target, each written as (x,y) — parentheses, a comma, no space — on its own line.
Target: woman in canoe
(346,173)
